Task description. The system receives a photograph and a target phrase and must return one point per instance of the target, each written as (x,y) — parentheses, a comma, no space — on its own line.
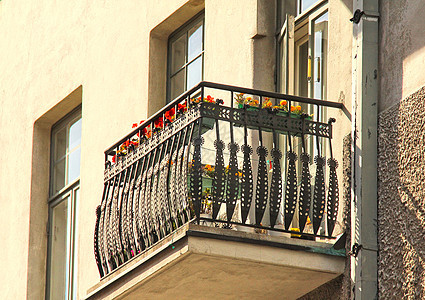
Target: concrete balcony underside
(200,262)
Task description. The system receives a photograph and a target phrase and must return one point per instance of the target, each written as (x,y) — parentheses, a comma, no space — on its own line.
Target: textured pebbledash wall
(401,199)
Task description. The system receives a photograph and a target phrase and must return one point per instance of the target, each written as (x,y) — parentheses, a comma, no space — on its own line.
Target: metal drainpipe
(364,205)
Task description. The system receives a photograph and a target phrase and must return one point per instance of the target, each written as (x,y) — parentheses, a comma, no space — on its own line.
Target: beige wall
(402,48)
(110,56)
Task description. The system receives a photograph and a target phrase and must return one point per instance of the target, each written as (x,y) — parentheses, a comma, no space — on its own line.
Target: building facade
(77,76)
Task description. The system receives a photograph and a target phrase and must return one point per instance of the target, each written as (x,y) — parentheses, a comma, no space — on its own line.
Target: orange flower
(298,108)
(248,99)
(283,103)
(292,108)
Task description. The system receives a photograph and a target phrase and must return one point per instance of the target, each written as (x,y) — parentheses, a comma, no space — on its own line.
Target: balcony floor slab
(200,262)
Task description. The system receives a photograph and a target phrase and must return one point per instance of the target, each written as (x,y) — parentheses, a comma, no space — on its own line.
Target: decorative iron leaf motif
(181,181)
(102,235)
(184,165)
(151,209)
(130,216)
(166,209)
(118,247)
(173,183)
(261,190)
(112,253)
(107,238)
(219,181)
(232,189)
(123,218)
(144,211)
(96,242)
(291,189)
(319,193)
(275,186)
(156,208)
(247,182)
(305,191)
(196,176)
(333,195)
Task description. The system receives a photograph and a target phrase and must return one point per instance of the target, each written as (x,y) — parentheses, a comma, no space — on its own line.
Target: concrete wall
(109,56)
(401,215)
(101,54)
(401,160)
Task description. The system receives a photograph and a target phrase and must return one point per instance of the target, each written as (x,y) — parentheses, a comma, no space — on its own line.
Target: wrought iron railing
(172,169)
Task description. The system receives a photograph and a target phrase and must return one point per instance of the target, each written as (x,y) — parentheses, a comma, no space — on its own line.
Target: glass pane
(74,165)
(59,250)
(74,272)
(178,54)
(195,41)
(74,135)
(283,66)
(194,73)
(177,84)
(59,175)
(320,56)
(60,144)
(303,70)
(306,4)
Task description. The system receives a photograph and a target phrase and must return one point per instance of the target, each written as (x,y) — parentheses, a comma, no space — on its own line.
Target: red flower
(134,125)
(169,114)
(141,122)
(210,99)
(114,158)
(126,144)
(159,122)
(181,107)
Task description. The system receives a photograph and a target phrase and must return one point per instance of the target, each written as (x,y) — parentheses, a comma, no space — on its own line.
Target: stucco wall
(401,206)
(402,31)
(102,50)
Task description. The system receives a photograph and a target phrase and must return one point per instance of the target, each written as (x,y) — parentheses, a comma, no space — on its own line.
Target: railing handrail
(219,86)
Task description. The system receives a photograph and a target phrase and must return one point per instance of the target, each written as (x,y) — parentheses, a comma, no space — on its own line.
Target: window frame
(184,29)
(71,194)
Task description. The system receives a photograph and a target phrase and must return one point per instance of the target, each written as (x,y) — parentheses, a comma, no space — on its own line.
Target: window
(185,57)
(63,201)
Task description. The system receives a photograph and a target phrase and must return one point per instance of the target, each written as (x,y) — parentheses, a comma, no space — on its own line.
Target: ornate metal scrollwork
(96,242)
(275,186)
(305,191)
(319,193)
(333,195)
(232,189)
(196,176)
(291,189)
(219,181)
(261,190)
(247,183)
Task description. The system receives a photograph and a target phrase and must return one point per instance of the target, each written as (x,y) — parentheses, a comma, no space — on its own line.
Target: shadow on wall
(401,194)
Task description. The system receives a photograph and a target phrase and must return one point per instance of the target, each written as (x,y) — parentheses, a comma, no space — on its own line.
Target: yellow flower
(298,108)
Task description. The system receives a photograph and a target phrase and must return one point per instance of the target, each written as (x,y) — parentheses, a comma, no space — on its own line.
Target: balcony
(224,171)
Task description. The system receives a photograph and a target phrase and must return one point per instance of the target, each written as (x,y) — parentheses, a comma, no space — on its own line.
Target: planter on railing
(159,181)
